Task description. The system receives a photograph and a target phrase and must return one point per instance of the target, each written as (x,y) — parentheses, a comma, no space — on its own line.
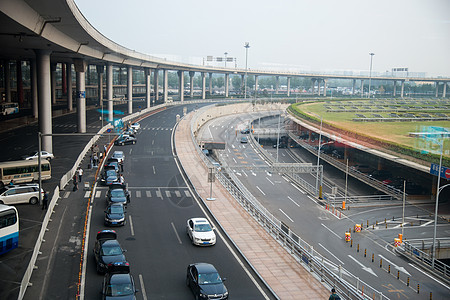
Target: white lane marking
(168,194)
(131,225)
(438,281)
(253,173)
(98,194)
(332,231)
(367,269)
(154,171)
(244,173)
(270,181)
(86,194)
(144,293)
(301,191)
(148,194)
(138,194)
(285,178)
(176,233)
(153,142)
(178,194)
(66,194)
(313,200)
(228,150)
(293,201)
(286,215)
(401,269)
(234,160)
(342,263)
(400,225)
(186,192)
(269,174)
(158,194)
(260,190)
(210,133)
(427,223)
(245,154)
(131,149)
(232,146)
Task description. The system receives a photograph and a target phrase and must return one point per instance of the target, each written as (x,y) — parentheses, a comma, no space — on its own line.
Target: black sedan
(109,176)
(125,140)
(205,282)
(118,283)
(117,195)
(123,186)
(107,250)
(115,215)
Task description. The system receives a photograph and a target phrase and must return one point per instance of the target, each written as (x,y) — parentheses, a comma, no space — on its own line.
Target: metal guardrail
(350,288)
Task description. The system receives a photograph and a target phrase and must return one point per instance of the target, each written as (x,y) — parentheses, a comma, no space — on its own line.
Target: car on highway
(115,215)
(116,195)
(109,176)
(107,250)
(244,140)
(245,131)
(200,232)
(20,193)
(125,140)
(119,156)
(112,163)
(118,283)
(205,282)
(136,126)
(123,186)
(34,155)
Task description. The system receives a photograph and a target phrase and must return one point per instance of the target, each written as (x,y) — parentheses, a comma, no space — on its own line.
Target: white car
(200,232)
(119,156)
(136,126)
(44,155)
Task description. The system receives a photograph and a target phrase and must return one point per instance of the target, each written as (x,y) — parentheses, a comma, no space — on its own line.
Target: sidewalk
(287,278)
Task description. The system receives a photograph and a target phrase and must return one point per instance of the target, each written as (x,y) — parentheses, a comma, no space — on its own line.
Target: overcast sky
(297,35)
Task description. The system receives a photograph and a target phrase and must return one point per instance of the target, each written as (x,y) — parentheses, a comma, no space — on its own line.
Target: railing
(350,288)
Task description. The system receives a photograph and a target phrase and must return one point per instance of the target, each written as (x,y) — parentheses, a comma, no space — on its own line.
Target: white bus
(9,228)
(9,108)
(21,171)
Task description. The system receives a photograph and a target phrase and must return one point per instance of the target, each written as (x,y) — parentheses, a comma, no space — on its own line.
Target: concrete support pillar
(34,88)
(362,88)
(191,84)
(63,79)
(165,85)
(181,85)
(19,82)
(289,86)
(80,69)
(444,91)
(130,89)
(203,85)
(53,79)
(277,84)
(100,71)
(44,97)
(256,86)
(402,89)
(437,89)
(69,87)
(318,86)
(210,85)
(227,84)
(109,92)
(156,84)
(148,91)
(353,86)
(313,81)
(325,87)
(395,89)
(7,69)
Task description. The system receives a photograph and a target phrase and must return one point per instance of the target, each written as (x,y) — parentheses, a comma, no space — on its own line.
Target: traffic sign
(444,173)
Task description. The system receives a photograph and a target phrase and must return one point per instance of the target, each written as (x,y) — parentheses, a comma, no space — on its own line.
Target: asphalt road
(322,229)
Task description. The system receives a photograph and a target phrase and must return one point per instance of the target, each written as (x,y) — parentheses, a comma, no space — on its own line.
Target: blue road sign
(444,173)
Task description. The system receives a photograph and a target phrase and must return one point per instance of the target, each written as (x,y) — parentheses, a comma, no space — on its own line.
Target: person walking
(333,295)
(95,159)
(75,182)
(80,173)
(45,201)
(121,179)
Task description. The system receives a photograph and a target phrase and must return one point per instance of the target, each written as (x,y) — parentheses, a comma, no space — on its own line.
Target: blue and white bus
(9,108)
(9,228)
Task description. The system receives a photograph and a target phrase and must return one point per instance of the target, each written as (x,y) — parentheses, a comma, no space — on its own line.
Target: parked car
(22,193)
(34,155)
(115,215)
(112,164)
(205,282)
(136,126)
(123,186)
(244,140)
(125,140)
(109,176)
(119,156)
(116,195)
(118,283)
(245,131)
(107,250)
(200,232)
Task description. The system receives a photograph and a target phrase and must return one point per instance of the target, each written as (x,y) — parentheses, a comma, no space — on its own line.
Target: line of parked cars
(128,136)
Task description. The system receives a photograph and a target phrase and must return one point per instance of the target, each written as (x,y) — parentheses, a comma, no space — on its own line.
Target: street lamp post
(246,46)
(370,72)
(226,53)
(318,158)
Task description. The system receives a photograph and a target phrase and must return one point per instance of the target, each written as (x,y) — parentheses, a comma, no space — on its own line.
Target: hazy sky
(308,35)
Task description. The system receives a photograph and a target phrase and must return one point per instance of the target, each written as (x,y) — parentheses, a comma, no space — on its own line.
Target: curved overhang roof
(59,26)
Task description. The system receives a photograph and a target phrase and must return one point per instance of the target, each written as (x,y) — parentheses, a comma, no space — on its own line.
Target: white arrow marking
(363,266)
(401,269)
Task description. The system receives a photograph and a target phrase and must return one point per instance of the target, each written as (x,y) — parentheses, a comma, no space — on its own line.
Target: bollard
(407,282)
(373,226)
(376,223)
(357,249)
(386,225)
(340,214)
(365,252)
(384,220)
(393,218)
(372,256)
(381,262)
(431,295)
(418,288)
(343,205)
(398,275)
(367,223)
(351,243)
(389,269)
(348,237)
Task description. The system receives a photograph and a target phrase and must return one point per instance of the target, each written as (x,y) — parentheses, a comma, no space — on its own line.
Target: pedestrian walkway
(286,277)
